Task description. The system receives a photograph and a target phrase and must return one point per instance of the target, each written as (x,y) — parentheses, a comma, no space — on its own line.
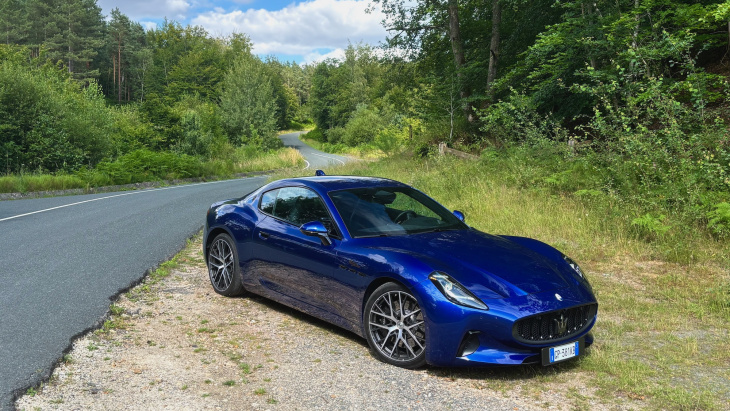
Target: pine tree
(74,33)
(14,22)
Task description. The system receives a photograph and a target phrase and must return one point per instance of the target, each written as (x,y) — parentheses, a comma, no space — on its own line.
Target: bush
(719,220)
(650,227)
(335,135)
(145,165)
(362,128)
(48,122)
(317,135)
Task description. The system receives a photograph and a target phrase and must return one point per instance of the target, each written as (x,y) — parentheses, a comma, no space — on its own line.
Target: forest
(604,100)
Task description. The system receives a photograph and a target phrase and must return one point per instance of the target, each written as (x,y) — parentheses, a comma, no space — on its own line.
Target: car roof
(333,183)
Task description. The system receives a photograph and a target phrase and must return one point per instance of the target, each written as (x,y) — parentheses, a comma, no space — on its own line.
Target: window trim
(336,235)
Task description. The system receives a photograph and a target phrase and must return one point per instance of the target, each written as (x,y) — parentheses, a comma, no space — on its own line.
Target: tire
(223,269)
(395,326)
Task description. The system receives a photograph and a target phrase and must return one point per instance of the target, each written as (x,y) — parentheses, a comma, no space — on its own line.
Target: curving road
(315,159)
(63,258)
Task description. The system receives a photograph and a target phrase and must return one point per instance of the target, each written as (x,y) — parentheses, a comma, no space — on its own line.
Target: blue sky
(301,31)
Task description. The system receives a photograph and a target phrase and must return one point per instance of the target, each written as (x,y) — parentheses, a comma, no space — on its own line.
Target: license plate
(563,352)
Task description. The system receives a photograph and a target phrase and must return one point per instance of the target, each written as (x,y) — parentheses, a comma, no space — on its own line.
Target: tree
(14,22)
(248,107)
(412,21)
(73,35)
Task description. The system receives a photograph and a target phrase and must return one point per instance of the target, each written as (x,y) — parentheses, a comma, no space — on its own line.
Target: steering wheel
(404,216)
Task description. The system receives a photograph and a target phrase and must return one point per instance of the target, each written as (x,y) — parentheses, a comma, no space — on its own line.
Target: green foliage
(650,227)
(317,135)
(363,127)
(48,122)
(145,165)
(719,220)
(516,120)
(247,103)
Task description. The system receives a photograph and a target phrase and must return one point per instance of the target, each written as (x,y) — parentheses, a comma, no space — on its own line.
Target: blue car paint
(516,277)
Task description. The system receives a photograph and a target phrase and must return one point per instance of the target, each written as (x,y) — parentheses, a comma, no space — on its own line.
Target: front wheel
(395,327)
(223,269)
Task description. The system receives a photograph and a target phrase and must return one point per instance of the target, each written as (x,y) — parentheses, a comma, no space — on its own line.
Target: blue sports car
(387,262)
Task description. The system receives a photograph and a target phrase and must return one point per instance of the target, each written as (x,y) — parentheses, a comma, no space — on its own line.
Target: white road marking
(329,158)
(107,197)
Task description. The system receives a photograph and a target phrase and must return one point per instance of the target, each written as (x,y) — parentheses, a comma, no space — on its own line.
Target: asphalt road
(315,158)
(63,258)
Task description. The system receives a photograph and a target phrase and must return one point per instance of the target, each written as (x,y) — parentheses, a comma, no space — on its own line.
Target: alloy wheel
(397,327)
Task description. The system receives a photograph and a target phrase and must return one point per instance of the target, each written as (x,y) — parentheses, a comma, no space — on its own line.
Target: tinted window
(267,202)
(296,205)
(370,212)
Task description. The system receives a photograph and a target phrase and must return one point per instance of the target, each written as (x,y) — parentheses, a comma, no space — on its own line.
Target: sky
(300,31)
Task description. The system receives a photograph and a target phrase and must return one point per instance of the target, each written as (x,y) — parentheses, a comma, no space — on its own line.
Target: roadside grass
(364,152)
(153,167)
(662,337)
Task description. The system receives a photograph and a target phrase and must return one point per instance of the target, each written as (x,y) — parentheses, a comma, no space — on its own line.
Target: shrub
(363,127)
(650,227)
(317,135)
(48,122)
(719,220)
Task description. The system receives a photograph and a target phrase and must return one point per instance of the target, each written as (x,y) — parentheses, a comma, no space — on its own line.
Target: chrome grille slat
(545,327)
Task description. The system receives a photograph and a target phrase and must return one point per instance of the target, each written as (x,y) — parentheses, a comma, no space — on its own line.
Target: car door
(290,263)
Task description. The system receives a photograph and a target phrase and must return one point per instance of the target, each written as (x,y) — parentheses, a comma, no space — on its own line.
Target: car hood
(489,266)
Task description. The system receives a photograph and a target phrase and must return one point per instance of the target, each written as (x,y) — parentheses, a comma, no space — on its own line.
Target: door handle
(264,235)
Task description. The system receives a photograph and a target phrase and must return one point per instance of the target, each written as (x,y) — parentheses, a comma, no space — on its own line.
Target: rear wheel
(395,327)
(223,268)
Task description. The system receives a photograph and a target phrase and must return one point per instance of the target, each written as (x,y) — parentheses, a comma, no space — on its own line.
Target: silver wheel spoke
(414,338)
(386,316)
(395,332)
(221,264)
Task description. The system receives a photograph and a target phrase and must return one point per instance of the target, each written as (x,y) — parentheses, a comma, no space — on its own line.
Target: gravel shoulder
(172,343)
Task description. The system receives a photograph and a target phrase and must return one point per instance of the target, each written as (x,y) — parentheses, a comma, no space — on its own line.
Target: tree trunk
(494,47)
(119,66)
(457,46)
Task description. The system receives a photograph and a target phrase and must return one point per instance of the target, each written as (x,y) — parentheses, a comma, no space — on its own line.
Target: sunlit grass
(240,161)
(662,334)
(364,152)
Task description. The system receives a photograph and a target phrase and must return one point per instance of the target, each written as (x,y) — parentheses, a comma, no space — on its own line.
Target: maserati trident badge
(559,297)
(562,324)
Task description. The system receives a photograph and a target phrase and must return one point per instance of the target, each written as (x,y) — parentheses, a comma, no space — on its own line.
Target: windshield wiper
(436,230)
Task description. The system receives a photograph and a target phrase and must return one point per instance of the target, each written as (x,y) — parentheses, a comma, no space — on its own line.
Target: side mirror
(316,229)
(459,215)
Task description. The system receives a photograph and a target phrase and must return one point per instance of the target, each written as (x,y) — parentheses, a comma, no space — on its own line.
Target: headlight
(455,292)
(574,266)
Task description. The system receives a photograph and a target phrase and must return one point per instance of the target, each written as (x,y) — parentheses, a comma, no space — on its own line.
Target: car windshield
(386,211)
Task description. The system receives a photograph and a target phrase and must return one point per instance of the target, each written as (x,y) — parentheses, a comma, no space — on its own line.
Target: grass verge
(662,335)
(145,166)
(363,152)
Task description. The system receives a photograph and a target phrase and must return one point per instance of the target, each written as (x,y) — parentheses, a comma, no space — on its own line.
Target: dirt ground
(173,343)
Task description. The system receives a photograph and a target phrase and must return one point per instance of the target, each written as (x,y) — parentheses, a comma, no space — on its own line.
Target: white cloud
(300,29)
(145,9)
(315,56)
(148,25)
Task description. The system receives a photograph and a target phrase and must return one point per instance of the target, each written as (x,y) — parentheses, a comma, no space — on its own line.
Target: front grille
(548,327)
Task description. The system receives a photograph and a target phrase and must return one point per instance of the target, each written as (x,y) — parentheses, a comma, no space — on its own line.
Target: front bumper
(462,336)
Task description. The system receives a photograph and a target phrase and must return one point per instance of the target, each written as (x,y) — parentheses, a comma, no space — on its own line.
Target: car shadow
(493,372)
(306,318)
(505,372)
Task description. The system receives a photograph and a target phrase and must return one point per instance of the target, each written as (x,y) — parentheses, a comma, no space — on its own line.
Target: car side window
(268,202)
(299,205)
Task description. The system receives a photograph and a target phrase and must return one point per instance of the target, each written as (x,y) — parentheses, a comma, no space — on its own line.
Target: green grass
(146,166)
(662,334)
